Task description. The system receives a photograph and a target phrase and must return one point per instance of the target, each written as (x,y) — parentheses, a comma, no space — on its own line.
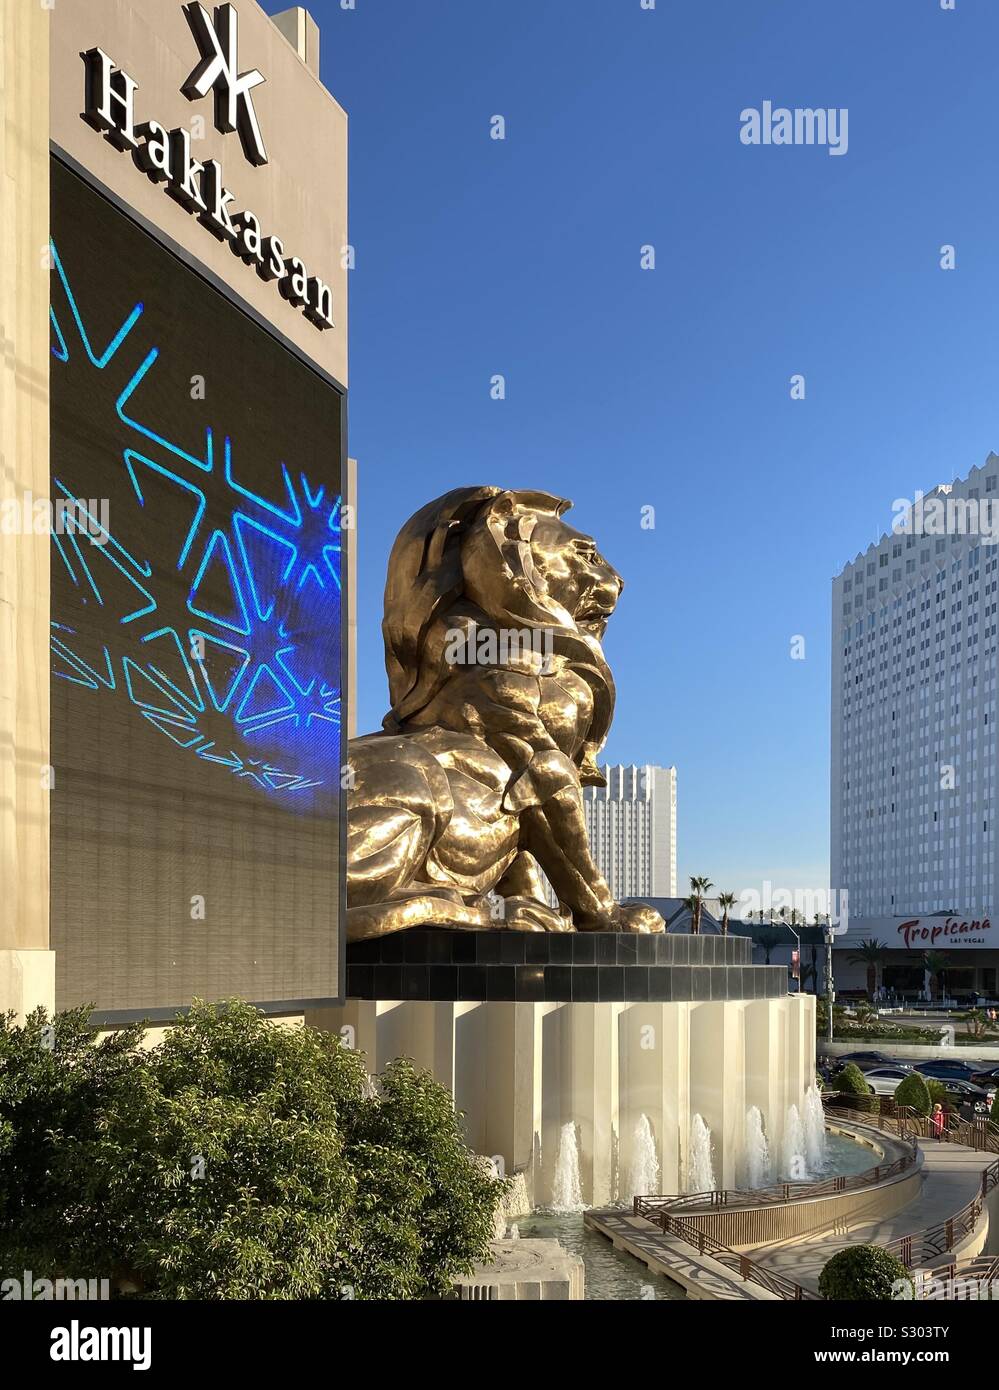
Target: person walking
(937,1120)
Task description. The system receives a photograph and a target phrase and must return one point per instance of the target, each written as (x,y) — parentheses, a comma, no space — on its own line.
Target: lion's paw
(638,917)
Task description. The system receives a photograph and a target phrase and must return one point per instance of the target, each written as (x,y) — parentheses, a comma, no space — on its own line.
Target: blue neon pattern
(248,683)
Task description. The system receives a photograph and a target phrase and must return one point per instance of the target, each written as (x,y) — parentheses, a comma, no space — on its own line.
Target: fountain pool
(846,1156)
(610,1274)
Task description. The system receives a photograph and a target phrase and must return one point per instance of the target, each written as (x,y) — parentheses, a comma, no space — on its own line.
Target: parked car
(987,1077)
(946,1071)
(975,1099)
(865,1060)
(884,1081)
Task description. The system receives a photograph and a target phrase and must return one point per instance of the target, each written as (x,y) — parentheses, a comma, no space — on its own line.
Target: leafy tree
(914,1093)
(56,1085)
(238,1159)
(864,1274)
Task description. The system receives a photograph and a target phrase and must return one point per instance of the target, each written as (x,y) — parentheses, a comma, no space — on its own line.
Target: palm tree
(698,888)
(872,954)
(726,901)
(809,976)
(936,962)
(768,939)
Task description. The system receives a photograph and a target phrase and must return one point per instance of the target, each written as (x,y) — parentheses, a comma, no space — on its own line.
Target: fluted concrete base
(521,1071)
(27,979)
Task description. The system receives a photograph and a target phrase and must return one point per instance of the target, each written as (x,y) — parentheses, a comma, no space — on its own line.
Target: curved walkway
(952,1177)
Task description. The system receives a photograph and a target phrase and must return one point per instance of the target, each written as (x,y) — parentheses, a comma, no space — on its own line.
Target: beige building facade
(521,1072)
(268,160)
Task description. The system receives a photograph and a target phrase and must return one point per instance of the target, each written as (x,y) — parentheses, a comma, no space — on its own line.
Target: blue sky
(671,387)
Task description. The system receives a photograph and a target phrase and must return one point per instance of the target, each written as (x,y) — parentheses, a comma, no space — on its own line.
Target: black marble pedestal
(564,967)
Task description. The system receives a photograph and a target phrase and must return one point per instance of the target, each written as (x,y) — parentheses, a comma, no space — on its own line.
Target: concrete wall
(27,976)
(521,1071)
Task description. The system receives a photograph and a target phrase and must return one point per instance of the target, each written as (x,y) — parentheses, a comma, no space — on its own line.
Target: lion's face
(575,574)
(499,559)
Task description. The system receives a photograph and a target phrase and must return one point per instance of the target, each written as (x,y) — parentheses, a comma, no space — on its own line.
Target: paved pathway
(952,1175)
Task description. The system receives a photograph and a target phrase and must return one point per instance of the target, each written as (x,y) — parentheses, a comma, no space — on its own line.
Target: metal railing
(963,1281)
(782,1193)
(879,1112)
(742,1265)
(779,1193)
(981,1134)
(915,1249)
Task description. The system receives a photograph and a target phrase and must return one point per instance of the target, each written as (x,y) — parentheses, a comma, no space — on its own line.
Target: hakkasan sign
(167,155)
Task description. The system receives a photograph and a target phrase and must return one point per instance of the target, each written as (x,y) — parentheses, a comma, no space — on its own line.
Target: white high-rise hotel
(914,758)
(631,825)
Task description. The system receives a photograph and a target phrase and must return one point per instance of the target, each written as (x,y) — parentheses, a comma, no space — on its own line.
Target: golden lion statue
(501,701)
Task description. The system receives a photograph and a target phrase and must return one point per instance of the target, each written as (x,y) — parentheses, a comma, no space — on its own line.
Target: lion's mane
(467,558)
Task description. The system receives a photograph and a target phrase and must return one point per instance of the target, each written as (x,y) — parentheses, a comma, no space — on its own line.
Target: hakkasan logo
(166,156)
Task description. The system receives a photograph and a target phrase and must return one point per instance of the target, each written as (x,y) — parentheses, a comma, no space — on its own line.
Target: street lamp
(797,948)
(830,937)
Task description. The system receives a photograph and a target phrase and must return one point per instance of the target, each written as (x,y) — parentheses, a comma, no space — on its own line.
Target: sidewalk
(952,1176)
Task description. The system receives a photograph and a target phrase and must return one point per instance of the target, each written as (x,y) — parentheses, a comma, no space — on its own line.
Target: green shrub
(851,1082)
(235,1160)
(864,1274)
(914,1092)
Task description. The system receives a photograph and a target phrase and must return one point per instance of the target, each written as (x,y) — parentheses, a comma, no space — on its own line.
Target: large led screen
(196,634)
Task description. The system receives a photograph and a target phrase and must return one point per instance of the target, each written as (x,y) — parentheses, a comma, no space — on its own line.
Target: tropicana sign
(166,156)
(950,931)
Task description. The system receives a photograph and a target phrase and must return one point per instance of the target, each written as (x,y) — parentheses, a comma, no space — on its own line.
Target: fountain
(643,1180)
(794,1166)
(700,1172)
(815,1130)
(756,1151)
(567,1192)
